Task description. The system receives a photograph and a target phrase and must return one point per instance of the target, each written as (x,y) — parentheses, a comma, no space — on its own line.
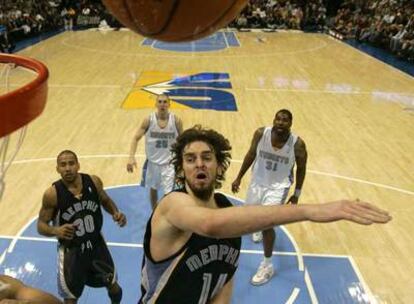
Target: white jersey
(273,168)
(158,140)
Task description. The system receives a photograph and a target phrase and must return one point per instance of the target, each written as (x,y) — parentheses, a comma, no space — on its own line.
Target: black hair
(218,143)
(287,112)
(67,152)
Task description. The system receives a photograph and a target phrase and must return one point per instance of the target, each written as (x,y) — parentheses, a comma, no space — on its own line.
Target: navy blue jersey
(195,274)
(83,212)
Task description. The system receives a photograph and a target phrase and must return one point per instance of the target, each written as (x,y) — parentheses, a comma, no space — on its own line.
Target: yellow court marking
(147,86)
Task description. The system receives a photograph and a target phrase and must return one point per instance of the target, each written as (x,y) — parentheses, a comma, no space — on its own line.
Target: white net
(11,143)
(7,156)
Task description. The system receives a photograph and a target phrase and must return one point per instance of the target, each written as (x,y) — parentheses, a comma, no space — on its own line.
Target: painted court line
(358,180)
(133,245)
(293,296)
(201,55)
(339,92)
(297,254)
(223,35)
(309,284)
(115,244)
(15,238)
(371,298)
(54,240)
(300,261)
(296,247)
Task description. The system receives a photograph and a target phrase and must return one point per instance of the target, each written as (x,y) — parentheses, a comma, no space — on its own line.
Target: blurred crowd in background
(387,24)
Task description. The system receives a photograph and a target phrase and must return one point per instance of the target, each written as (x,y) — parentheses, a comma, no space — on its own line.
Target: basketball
(175,20)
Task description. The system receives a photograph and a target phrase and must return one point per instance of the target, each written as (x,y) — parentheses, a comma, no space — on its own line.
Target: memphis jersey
(274,168)
(84,213)
(158,140)
(195,274)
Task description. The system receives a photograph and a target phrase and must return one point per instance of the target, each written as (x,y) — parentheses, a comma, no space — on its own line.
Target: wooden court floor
(354,113)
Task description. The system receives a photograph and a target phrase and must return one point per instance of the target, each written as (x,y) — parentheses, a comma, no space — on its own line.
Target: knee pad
(116,297)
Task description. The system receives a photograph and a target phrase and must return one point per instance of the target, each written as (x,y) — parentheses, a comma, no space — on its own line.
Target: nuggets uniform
(159,140)
(195,274)
(84,260)
(272,173)
(158,172)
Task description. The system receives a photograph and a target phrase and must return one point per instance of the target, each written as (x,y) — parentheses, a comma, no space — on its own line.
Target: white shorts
(261,195)
(159,177)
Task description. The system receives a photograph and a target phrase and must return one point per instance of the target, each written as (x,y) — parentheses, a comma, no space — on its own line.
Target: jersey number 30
(85,225)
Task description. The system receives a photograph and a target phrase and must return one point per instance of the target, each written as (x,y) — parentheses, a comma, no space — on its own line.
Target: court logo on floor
(209,91)
(218,41)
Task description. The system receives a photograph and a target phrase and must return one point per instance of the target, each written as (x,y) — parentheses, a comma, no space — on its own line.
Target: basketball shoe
(257,237)
(263,275)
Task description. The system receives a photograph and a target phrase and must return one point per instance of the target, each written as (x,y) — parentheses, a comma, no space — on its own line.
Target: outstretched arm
(248,159)
(132,163)
(301,157)
(181,211)
(107,203)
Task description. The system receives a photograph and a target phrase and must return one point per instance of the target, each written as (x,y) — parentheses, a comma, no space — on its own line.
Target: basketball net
(6,156)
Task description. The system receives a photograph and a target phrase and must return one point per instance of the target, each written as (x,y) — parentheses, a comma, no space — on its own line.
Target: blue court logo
(211,91)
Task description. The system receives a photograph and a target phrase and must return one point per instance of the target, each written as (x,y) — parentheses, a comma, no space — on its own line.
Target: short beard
(203,194)
(284,134)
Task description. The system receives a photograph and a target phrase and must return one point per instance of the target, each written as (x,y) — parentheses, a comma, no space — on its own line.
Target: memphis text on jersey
(211,254)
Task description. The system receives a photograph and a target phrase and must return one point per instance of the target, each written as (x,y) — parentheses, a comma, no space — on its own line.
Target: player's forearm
(33,302)
(133,148)
(247,162)
(25,302)
(45,229)
(236,221)
(35,296)
(109,206)
(300,177)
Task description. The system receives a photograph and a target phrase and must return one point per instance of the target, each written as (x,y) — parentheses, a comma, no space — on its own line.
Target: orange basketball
(175,20)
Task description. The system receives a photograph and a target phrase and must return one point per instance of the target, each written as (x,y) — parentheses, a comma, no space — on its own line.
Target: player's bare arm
(248,159)
(184,214)
(14,291)
(142,129)
(301,157)
(179,125)
(47,213)
(107,203)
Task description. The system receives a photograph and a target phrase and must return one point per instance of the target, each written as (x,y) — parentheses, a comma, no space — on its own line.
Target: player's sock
(116,297)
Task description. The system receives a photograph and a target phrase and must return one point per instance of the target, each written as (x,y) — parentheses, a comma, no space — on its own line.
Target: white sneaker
(263,275)
(257,237)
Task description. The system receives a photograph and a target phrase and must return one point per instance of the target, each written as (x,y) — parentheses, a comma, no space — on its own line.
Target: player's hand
(355,211)
(235,186)
(131,165)
(65,232)
(293,200)
(120,218)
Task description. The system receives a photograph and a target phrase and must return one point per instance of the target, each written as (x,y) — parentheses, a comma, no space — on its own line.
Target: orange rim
(21,106)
